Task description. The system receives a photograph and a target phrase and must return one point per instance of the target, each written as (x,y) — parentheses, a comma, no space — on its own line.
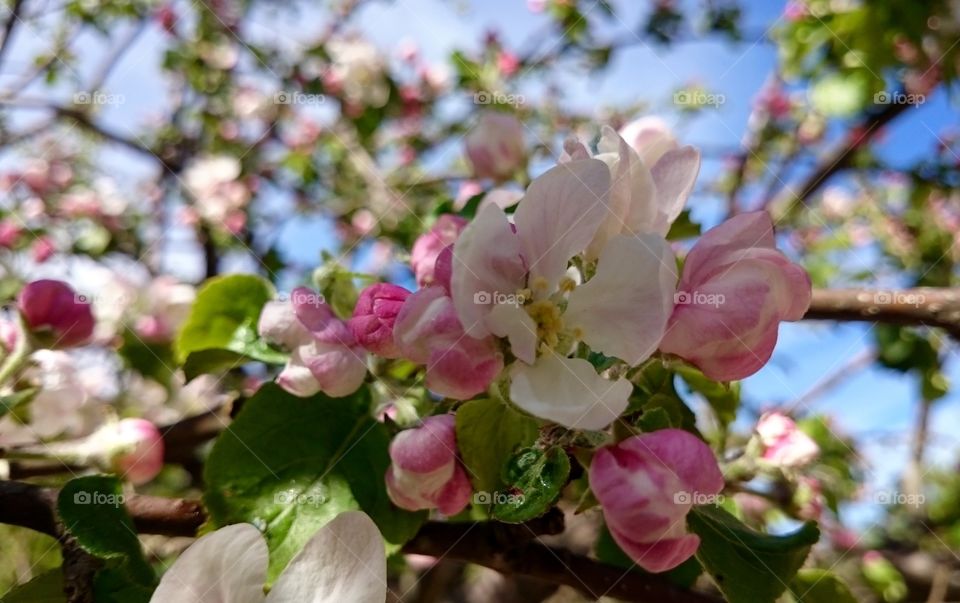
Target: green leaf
(13,401)
(43,588)
(820,586)
(748,566)
(654,419)
(289,465)
(683,227)
(536,479)
(839,95)
(92,510)
(221,330)
(723,398)
(654,389)
(488,433)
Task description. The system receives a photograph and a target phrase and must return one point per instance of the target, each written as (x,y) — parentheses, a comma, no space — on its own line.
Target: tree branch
(839,156)
(928,306)
(9,26)
(506,548)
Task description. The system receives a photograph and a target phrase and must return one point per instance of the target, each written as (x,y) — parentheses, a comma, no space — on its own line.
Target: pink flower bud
(52,307)
(735,289)
(784,444)
(425,473)
(42,249)
(495,146)
(647,485)
(10,231)
(374,316)
(427,247)
(333,356)
(131,447)
(427,331)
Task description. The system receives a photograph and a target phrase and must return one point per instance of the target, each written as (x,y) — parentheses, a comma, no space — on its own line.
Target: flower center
(549,319)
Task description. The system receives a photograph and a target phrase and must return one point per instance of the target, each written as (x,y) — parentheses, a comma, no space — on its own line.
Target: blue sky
(872,401)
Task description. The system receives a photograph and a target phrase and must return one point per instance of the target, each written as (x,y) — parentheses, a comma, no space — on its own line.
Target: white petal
(226,566)
(631,208)
(486,262)
(674,176)
(560,214)
(568,391)
(344,562)
(623,310)
(512,322)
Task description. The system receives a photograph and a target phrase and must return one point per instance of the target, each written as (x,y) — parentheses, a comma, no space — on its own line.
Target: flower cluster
(551,307)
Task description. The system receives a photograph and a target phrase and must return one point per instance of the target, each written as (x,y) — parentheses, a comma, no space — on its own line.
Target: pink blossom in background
(425,472)
(735,289)
(647,484)
(785,445)
(131,447)
(42,249)
(495,146)
(52,309)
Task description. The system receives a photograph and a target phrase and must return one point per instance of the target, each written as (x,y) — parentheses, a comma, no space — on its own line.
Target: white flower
(621,311)
(359,68)
(214,182)
(344,562)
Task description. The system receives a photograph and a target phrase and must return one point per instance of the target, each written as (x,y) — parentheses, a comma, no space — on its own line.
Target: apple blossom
(10,232)
(647,192)
(374,317)
(343,562)
(166,305)
(220,195)
(358,71)
(131,447)
(425,472)
(53,311)
(647,484)
(325,355)
(785,445)
(735,289)
(510,280)
(495,145)
(427,331)
(423,256)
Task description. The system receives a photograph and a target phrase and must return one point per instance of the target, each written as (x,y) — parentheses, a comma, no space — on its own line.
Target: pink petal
(486,262)
(674,176)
